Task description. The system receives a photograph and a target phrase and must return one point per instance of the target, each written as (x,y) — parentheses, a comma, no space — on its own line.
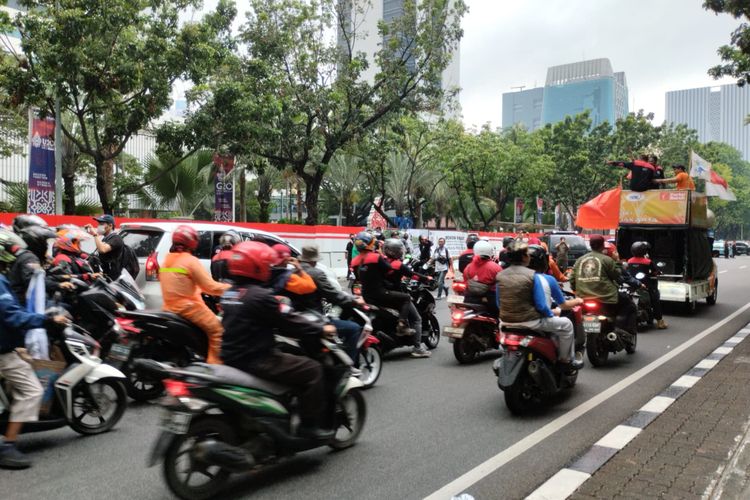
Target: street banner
(224,188)
(539,210)
(41,198)
(375,219)
(518,210)
(662,207)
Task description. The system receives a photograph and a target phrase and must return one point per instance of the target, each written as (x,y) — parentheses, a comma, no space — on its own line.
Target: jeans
(655,296)
(441,283)
(349,332)
(562,328)
(415,321)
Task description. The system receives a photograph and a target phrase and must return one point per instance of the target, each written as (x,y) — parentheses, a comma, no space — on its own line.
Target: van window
(205,245)
(143,242)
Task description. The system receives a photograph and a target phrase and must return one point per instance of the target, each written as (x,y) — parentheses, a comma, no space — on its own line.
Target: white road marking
(618,437)
(658,404)
(722,350)
(463,482)
(743,267)
(707,364)
(686,381)
(560,486)
(722,272)
(734,340)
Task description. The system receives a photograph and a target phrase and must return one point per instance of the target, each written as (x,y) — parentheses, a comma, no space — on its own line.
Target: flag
(602,212)
(539,210)
(518,210)
(715,184)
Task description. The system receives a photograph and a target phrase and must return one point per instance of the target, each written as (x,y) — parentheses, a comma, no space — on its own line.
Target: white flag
(699,168)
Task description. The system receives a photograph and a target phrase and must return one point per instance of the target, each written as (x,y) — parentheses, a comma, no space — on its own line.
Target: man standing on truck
(641,175)
(681,179)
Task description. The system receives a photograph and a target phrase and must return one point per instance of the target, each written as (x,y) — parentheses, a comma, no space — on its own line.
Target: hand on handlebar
(67,285)
(556,311)
(329,331)
(359,300)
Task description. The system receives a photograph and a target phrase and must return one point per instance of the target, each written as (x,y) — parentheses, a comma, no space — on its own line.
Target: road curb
(567,480)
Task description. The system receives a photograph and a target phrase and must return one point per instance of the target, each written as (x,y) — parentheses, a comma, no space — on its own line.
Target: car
(151,242)
(743,248)
(718,248)
(578,246)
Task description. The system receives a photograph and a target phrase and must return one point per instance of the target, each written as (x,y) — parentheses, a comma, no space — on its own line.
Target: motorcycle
(599,327)
(528,372)
(473,329)
(88,396)
(220,420)
(643,304)
(425,303)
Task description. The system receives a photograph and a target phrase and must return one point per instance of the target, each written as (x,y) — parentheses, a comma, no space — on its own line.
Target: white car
(152,240)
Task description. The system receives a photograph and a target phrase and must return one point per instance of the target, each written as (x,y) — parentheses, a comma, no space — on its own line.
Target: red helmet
(252,259)
(69,239)
(185,236)
(609,249)
(282,251)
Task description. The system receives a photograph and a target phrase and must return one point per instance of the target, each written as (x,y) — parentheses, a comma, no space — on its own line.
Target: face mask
(101,230)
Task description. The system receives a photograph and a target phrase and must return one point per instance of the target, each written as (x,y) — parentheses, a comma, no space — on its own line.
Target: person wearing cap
(109,245)
(681,179)
(596,275)
(325,290)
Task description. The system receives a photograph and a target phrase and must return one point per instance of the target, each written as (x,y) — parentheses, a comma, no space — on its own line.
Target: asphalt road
(430,422)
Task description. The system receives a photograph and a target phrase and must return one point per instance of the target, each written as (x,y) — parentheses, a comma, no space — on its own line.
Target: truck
(676,225)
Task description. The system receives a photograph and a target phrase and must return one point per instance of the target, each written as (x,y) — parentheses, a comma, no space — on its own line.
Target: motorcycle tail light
(590,304)
(457,316)
(177,388)
(459,287)
(152,268)
(127,325)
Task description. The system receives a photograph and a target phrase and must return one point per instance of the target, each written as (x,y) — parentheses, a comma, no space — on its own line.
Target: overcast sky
(661,45)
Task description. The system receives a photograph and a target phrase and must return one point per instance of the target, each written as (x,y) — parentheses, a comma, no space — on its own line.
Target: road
(430,422)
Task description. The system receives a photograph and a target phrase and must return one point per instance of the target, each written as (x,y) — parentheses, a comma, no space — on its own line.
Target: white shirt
(440,252)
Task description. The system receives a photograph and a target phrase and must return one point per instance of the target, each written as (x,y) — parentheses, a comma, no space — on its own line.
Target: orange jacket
(183,279)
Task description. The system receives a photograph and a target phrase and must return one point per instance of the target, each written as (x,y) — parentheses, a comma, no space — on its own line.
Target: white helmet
(483,249)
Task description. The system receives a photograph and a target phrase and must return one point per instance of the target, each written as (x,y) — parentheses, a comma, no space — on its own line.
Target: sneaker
(420,353)
(661,324)
(11,458)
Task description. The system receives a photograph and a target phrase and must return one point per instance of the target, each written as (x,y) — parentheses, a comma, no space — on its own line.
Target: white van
(151,242)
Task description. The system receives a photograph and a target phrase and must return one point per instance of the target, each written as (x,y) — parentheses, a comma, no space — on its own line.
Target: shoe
(355,372)
(403,330)
(11,458)
(661,324)
(420,353)
(579,356)
(315,433)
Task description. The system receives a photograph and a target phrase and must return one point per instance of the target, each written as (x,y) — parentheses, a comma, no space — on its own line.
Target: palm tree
(343,183)
(188,185)
(410,185)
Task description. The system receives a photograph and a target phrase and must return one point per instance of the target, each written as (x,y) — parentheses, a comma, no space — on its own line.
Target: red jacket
(483,271)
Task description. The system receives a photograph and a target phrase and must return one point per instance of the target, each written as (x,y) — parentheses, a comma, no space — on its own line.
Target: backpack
(129,261)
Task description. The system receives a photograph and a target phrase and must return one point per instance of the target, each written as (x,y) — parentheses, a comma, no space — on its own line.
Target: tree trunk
(242,212)
(299,199)
(69,193)
(312,194)
(263,209)
(101,185)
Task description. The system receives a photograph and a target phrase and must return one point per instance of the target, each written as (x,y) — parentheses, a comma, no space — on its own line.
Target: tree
(675,143)
(188,185)
(344,183)
(112,65)
(298,96)
(736,55)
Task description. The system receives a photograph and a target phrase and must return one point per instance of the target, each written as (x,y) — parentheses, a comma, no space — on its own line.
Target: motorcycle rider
(467,255)
(182,279)
(502,259)
(641,263)
(539,261)
(596,275)
(251,314)
(406,240)
(348,331)
(287,277)
(17,373)
(219,261)
(109,245)
(394,253)
(481,278)
(69,255)
(370,267)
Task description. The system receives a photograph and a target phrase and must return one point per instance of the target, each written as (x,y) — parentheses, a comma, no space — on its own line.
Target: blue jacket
(14,319)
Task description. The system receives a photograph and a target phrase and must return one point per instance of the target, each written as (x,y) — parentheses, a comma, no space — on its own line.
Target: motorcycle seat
(228,375)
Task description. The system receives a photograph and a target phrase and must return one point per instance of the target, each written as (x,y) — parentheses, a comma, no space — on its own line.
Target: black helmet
(10,242)
(516,251)
(640,248)
(507,241)
(24,221)
(539,260)
(229,239)
(36,238)
(393,248)
(471,241)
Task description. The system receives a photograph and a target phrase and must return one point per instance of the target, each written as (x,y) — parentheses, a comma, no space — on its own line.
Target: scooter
(220,420)
(88,396)
(473,329)
(424,301)
(528,372)
(599,327)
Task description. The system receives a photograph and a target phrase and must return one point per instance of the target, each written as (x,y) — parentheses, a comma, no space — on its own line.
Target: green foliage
(736,55)
(188,185)
(17,194)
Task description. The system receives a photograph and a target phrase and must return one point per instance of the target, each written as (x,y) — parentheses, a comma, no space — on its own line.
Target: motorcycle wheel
(519,397)
(371,365)
(596,350)
(432,339)
(103,412)
(464,351)
(351,413)
(180,466)
(144,389)
(630,348)
(711,299)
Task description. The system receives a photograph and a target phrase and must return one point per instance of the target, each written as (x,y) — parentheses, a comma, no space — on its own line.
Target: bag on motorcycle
(47,372)
(474,287)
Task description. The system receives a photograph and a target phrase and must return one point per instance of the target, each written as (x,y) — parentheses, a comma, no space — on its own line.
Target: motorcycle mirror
(640,276)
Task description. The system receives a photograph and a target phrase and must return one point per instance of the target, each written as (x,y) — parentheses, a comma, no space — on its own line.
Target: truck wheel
(711,299)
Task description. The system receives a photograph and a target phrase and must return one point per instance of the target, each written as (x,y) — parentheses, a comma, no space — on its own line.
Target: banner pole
(58,160)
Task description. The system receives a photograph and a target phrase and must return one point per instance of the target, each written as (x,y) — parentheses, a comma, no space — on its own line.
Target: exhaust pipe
(224,455)
(612,337)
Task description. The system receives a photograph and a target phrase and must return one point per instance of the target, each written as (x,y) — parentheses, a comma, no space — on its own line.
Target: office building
(570,89)
(716,113)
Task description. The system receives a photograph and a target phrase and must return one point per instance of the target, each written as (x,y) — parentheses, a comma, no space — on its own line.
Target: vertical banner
(374,219)
(42,167)
(539,210)
(518,211)
(224,188)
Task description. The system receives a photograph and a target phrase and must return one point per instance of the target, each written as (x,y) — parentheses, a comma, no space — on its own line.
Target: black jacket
(21,272)
(251,315)
(326,290)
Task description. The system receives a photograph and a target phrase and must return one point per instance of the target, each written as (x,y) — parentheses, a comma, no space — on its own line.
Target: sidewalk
(699,447)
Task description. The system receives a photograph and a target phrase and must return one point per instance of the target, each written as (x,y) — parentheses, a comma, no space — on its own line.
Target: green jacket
(596,275)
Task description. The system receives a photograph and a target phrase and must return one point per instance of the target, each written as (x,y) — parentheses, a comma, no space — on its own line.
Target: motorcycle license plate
(453,332)
(455,299)
(592,325)
(176,422)
(119,352)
